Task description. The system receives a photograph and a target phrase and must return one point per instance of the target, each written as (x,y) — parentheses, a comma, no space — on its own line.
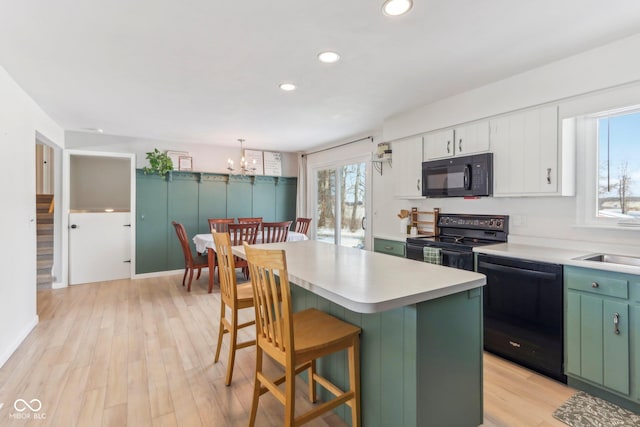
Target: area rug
(584,410)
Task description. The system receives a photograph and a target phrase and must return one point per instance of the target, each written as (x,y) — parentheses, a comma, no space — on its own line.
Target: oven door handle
(506,269)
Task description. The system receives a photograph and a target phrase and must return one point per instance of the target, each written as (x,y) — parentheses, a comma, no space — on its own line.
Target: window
(618,193)
(341,205)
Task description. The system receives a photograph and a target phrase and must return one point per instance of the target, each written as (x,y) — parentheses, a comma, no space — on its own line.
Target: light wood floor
(140,353)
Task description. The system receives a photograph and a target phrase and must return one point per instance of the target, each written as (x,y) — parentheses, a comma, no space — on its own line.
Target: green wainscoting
(421,365)
(191,198)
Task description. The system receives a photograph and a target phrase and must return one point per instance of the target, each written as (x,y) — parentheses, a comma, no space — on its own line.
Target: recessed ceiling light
(95,130)
(288,87)
(328,57)
(396,7)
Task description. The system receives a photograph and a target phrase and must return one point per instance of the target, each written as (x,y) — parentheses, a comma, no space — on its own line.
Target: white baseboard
(6,354)
(158,274)
(58,285)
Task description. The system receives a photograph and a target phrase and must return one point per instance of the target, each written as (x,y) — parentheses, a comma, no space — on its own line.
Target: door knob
(74,226)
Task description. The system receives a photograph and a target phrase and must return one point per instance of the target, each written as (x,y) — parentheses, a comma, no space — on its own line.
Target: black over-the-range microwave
(458,176)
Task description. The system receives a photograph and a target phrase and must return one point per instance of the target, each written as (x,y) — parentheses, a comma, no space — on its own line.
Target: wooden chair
(190,262)
(220,224)
(296,340)
(234,296)
(302,225)
(243,232)
(275,231)
(250,220)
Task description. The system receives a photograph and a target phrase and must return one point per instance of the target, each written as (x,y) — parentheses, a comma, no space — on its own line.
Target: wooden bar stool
(234,296)
(296,340)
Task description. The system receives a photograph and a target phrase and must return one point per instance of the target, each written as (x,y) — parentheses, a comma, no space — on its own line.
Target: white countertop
(399,237)
(565,256)
(365,281)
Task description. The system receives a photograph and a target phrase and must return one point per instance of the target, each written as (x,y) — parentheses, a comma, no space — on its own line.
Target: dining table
(204,243)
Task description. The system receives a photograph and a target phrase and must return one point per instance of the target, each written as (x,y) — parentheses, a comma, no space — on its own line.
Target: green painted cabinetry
(389,247)
(602,342)
(191,198)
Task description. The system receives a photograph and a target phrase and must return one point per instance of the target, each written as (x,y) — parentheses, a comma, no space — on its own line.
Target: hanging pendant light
(244,166)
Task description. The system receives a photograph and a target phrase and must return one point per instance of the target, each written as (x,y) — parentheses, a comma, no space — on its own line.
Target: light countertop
(365,281)
(565,256)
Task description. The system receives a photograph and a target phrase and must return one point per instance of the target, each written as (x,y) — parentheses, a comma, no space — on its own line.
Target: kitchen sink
(612,259)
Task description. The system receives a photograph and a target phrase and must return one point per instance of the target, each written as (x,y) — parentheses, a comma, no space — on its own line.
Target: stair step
(44,263)
(45,227)
(45,250)
(44,218)
(44,279)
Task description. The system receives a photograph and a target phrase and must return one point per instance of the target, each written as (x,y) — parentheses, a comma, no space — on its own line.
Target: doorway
(341,204)
(100,222)
(47,191)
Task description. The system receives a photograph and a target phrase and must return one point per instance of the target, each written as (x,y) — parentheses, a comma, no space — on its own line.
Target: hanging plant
(159,163)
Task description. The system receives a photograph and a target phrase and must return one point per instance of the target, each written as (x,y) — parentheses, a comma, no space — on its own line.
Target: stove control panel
(474,222)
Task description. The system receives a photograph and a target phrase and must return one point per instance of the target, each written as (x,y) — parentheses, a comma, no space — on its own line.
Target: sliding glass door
(341,204)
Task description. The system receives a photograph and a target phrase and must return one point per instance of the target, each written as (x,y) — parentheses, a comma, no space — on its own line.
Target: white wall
(20,119)
(573,83)
(206,158)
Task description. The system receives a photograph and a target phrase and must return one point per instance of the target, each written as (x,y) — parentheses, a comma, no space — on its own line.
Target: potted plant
(159,163)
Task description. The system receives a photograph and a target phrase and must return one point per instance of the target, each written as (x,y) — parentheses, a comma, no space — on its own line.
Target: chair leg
(199,271)
(312,382)
(221,331)
(256,388)
(290,396)
(190,279)
(186,270)
(354,381)
(233,334)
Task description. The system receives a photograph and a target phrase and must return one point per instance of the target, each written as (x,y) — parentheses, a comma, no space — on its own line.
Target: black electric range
(458,235)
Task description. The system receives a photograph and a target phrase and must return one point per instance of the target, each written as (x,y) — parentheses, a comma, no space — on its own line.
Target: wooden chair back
(249,220)
(184,243)
(302,225)
(275,231)
(243,232)
(220,225)
(226,268)
(272,301)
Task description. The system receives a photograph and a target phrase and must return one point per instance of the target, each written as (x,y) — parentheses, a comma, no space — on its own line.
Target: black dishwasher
(523,312)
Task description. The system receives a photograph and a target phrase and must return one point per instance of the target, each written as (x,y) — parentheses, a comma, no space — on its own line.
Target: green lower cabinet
(389,247)
(595,351)
(602,340)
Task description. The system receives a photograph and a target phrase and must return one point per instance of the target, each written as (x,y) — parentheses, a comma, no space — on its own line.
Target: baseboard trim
(158,274)
(20,338)
(58,285)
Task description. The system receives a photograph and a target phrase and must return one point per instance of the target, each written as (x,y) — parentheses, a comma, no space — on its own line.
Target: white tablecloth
(204,241)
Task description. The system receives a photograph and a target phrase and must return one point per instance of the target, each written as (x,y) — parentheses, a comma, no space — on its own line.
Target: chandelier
(244,165)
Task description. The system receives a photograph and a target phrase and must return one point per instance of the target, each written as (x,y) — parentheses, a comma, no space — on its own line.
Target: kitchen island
(421,342)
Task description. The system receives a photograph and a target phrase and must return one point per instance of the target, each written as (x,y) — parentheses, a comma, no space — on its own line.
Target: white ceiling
(208,71)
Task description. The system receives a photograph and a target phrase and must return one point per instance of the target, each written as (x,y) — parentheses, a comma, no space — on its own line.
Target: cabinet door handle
(595,285)
(616,323)
(448,147)
(548,175)
(418,185)
(388,247)
(460,145)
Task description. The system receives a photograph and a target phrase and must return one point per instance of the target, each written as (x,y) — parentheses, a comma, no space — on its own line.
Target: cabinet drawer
(390,247)
(597,282)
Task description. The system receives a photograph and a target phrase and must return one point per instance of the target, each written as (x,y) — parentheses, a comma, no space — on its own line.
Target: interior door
(99,246)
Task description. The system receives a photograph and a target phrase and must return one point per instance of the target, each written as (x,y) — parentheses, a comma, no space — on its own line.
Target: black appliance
(458,235)
(468,176)
(523,312)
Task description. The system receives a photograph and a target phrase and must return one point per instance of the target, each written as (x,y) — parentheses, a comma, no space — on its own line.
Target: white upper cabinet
(461,141)
(407,168)
(438,145)
(526,154)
